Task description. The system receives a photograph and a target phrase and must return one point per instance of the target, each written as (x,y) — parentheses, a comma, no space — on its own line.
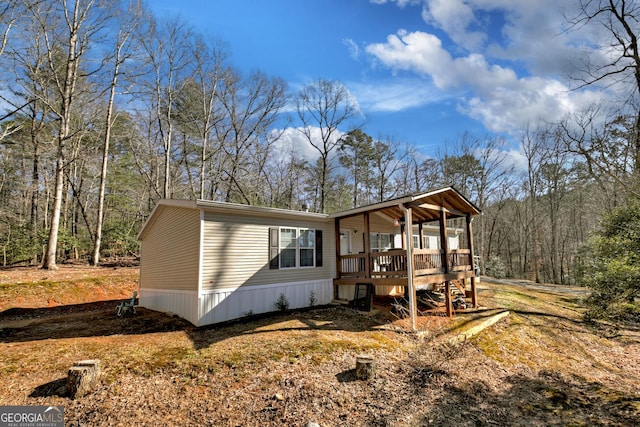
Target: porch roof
(425,206)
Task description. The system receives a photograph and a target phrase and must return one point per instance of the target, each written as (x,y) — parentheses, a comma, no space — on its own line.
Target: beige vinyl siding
(236,251)
(170,250)
(377,224)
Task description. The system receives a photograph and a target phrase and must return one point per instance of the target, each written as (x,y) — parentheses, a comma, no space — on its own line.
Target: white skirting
(233,303)
(181,303)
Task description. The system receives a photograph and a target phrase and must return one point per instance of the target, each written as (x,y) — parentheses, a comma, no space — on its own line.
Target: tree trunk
(66,92)
(49,261)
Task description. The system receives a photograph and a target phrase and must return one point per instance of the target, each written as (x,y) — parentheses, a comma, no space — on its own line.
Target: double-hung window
(380,242)
(288,247)
(292,247)
(307,247)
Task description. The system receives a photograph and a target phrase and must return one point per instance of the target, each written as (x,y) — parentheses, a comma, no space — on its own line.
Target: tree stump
(82,378)
(364,367)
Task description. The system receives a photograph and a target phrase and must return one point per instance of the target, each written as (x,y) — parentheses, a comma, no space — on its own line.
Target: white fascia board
(210,206)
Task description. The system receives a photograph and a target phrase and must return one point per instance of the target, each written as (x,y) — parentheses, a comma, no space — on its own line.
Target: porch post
(444,240)
(336,294)
(474,295)
(408,221)
(367,246)
(445,259)
(447,299)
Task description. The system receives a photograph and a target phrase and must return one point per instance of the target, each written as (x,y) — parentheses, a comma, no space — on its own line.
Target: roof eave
(401,201)
(212,206)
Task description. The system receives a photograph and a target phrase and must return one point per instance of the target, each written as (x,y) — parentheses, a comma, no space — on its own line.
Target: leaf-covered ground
(541,365)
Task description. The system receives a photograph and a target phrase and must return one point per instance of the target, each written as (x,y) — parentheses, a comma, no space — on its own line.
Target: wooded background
(107,109)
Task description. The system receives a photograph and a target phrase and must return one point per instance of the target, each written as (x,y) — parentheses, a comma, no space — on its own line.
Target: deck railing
(393,263)
(352,265)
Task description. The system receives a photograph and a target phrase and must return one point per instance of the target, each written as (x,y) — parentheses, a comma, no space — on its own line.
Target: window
(288,247)
(306,243)
(380,242)
(426,242)
(291,247)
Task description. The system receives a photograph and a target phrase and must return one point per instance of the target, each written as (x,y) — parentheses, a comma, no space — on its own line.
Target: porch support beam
(432,207)
(444,242)
(367,245)
(408,220)
(338,260)
(474,294)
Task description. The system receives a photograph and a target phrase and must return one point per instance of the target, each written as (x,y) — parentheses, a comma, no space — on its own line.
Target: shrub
(495,267)
(282,303)
(612,269)
(312,298)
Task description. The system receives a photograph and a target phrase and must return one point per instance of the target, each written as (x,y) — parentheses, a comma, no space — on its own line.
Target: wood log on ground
(365,368)
(82,378)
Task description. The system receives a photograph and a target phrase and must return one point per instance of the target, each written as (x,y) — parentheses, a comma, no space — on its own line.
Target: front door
(345,242)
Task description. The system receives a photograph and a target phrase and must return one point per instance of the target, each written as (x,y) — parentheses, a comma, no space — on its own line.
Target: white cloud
(395,96)
(496,95)
(516,159)
(293,143)
(400,3)
(454,17)
(354,49)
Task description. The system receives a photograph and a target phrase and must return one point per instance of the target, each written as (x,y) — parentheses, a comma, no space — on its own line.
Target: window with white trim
(380,242)
(307,247)
(426,242)
(291,247)
(288,247)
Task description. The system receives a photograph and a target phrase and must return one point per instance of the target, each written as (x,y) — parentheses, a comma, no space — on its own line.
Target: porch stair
(431,299)
(459,286)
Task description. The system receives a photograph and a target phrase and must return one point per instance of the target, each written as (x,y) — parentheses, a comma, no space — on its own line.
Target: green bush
(612,266)
(494,267)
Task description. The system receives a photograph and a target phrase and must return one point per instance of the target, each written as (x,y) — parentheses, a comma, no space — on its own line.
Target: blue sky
(422,71)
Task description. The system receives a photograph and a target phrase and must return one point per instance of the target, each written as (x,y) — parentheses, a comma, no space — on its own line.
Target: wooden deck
(390,267)
(415,261)
(433,268)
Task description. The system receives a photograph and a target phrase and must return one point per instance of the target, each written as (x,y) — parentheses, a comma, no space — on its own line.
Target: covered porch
(419,241)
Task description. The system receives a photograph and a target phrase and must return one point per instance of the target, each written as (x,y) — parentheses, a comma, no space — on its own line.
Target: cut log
(476,329)
(82,378)
(364,367)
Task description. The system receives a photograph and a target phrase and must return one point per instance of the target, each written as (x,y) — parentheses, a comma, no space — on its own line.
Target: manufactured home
(210,262)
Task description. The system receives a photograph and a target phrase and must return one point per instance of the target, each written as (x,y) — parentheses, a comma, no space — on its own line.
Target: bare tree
(199,111)
(251,108)
(322,107)
(129,19)
(479,168)
(606,146)
(67,30)
(384,167)
(532,142)
(28,93)
(167,47)
(620,64)
(9,13)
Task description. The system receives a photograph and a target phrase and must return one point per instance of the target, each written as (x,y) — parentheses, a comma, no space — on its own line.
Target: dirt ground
(541,365)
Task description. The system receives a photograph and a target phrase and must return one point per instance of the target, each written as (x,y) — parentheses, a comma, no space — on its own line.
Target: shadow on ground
(99,319)
(549,399)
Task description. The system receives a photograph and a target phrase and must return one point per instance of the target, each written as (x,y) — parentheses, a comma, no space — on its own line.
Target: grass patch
(541,365)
